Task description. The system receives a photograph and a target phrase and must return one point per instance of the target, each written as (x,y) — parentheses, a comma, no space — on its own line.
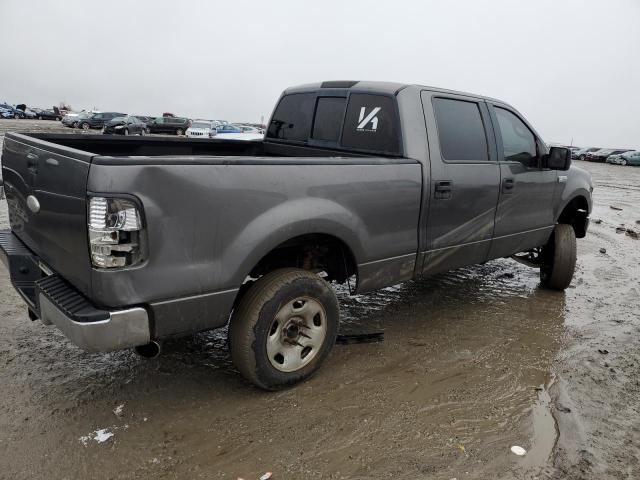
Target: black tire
(583,157)
(253,322)
(179,131)
(559,258)
(85,126)
(40,117)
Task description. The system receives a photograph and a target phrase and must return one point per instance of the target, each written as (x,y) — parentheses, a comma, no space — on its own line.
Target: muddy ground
(473,362)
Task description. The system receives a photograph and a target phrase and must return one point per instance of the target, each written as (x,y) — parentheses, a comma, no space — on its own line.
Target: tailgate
(46,191)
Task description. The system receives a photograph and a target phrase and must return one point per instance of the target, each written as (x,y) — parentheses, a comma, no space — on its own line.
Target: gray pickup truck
(125,242)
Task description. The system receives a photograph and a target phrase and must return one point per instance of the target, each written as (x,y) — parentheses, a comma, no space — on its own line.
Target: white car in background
(239,136)
(201,129)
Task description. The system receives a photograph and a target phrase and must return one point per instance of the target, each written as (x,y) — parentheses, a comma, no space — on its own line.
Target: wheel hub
(297,334)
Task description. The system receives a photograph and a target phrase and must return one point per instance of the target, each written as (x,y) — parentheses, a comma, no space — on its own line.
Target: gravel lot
(473,362)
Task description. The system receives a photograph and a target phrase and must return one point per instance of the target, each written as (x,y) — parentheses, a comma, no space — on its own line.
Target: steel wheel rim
(296,334)
(85,126)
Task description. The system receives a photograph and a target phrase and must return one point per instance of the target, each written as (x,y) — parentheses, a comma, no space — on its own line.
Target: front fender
(578,184)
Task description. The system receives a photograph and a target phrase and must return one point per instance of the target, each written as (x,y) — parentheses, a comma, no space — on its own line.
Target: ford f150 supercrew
(124,242)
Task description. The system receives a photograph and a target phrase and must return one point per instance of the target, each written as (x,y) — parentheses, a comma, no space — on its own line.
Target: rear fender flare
(284,222)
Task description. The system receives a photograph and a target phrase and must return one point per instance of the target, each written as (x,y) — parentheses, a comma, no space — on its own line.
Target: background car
(15,112)
(250,129)
(602,154)
(42,114)
(201,129)
(630,158)
(26,112)
(228,128)
(581,153)
(6,113)
(613,159)
(127,125)
(144,118)
(172,125)
(97,120)
(72,119)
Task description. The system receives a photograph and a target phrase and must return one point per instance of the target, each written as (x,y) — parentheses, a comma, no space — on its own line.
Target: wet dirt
(473,362)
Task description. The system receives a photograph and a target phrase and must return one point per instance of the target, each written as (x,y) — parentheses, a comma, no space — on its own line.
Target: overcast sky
(572,67)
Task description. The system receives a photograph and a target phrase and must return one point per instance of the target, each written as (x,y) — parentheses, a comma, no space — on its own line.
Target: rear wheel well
(575,213)
(316,252)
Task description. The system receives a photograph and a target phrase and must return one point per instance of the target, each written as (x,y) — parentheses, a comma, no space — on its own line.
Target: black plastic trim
(68,300)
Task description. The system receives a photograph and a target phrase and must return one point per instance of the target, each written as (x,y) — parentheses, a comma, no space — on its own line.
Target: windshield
(118,119)
(201,125)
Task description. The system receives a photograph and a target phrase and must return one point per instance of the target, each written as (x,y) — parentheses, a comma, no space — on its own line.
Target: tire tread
(246,315)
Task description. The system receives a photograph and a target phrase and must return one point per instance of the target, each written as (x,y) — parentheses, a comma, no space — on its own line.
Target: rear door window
(292,117)
(460,130)
(371,124)
(328,119)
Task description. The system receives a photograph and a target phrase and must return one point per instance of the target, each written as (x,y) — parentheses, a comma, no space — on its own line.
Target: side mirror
(559,158)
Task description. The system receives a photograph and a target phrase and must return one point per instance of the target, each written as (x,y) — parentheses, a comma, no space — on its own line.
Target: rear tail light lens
(115,228)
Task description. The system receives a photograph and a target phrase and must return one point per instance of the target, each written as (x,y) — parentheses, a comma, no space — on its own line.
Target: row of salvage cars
(120,123)
(615,156)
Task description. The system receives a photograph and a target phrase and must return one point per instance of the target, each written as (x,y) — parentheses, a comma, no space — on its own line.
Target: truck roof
(391,88)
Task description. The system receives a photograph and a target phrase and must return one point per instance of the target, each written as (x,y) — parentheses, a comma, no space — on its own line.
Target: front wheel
(623,162)
(283,328)
(179,131)
(559,258)
(85,126)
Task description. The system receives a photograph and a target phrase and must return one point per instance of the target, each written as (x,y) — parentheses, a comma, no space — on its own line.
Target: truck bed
(208,219)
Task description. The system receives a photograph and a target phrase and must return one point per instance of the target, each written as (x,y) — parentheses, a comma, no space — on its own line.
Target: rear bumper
(53,300)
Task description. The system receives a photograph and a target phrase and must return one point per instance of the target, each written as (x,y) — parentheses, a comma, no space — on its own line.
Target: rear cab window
(328,118)
(363,122)
(292,118)
(372,124)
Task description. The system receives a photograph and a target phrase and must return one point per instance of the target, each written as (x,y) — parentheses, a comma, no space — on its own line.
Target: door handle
(32,162)
(443,189)
(508,185)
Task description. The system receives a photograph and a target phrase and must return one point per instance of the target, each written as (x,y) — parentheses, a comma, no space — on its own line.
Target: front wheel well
(575,213)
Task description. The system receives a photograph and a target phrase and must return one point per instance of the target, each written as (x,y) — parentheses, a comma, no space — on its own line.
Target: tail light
(115,232)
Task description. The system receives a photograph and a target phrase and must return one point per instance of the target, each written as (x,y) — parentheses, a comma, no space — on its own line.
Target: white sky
(571,66)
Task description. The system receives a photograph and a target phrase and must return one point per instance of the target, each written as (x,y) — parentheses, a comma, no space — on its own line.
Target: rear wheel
(559,258)
(283,328)
(583,157)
